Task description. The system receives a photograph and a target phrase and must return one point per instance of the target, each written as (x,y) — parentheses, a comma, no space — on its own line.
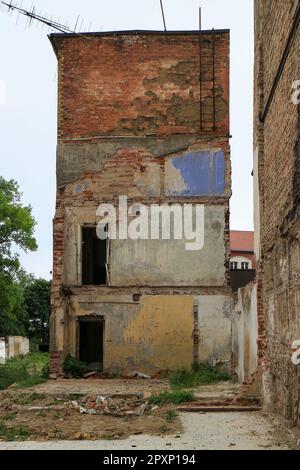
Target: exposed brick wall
(155,86)
(277,140)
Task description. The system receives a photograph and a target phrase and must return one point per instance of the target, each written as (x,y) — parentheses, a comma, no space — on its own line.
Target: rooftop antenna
(163,14)
(33,15)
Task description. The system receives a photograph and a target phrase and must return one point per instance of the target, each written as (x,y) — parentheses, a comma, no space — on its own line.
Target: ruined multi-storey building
(277,188)
(144,115)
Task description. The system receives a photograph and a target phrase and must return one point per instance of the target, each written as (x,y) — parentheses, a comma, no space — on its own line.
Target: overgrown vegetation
(23,371)
(13,433)
(177,397)
(73,367)
(201,374)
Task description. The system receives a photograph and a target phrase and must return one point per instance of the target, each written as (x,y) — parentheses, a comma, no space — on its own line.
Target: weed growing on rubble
(177,397)
(202,374)
(171,415)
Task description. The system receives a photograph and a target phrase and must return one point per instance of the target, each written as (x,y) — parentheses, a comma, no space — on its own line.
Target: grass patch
(24,371)
(74,396)
(9,417)
(28,398)
(177,397)
(14,433)
(171,415)
(203,374)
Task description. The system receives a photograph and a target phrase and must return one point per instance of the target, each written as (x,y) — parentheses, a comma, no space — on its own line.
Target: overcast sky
(28,115)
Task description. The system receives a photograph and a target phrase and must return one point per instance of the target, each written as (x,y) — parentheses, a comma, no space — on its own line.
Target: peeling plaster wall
(152,262)
(167,262)
(214,323)
(151,335)
(245,333)
(13,346)
(196,174)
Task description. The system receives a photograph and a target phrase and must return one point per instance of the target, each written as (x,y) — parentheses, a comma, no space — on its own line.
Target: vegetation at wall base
(176,397)
(73,367)
(201,374)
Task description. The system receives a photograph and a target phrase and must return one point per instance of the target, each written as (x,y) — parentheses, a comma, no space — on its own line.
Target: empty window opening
(91,343)
(94,258)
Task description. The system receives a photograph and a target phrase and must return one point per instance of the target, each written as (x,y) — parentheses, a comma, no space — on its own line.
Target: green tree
(16,226)
(38,308)
(13,316)
(16,232)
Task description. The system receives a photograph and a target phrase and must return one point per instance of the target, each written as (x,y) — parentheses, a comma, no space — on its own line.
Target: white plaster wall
(15,345)
(215,326)
(245,332)
(24,346)
(11,347)
(2,351)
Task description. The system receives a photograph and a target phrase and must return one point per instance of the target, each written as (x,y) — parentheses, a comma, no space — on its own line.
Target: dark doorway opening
(94,258)
(91,343)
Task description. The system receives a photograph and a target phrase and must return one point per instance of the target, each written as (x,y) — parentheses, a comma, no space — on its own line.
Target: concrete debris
(141,409)
(91,374)
(22,408)
(139,375)
(120,406)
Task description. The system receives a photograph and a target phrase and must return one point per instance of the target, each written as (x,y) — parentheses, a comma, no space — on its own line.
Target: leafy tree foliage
(16,227)
(16,231)
(38,308)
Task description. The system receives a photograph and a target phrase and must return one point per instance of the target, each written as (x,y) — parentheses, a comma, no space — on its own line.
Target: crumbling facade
(144,115)
(277,189)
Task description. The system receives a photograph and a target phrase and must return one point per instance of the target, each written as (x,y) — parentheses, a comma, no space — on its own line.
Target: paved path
(210,431)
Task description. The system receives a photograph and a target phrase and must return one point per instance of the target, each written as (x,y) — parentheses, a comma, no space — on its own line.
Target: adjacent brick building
(277,197)
(145,115)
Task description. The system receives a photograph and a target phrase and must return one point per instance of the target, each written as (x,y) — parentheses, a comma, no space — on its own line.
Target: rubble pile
(113,406)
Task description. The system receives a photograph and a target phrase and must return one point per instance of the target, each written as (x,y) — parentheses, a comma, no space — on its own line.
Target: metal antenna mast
(163,14)
(32,15)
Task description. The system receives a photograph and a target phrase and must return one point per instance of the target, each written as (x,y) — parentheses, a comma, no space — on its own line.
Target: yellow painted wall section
(158,337)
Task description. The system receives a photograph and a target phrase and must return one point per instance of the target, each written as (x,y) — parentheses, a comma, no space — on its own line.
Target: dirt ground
(116,414)
(101,386)
(221,431)
(86,410)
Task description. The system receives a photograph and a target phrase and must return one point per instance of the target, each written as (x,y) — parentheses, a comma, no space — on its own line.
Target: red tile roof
(241,241)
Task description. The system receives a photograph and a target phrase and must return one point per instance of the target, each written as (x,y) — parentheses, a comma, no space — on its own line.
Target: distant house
(242,258)
(13,346)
